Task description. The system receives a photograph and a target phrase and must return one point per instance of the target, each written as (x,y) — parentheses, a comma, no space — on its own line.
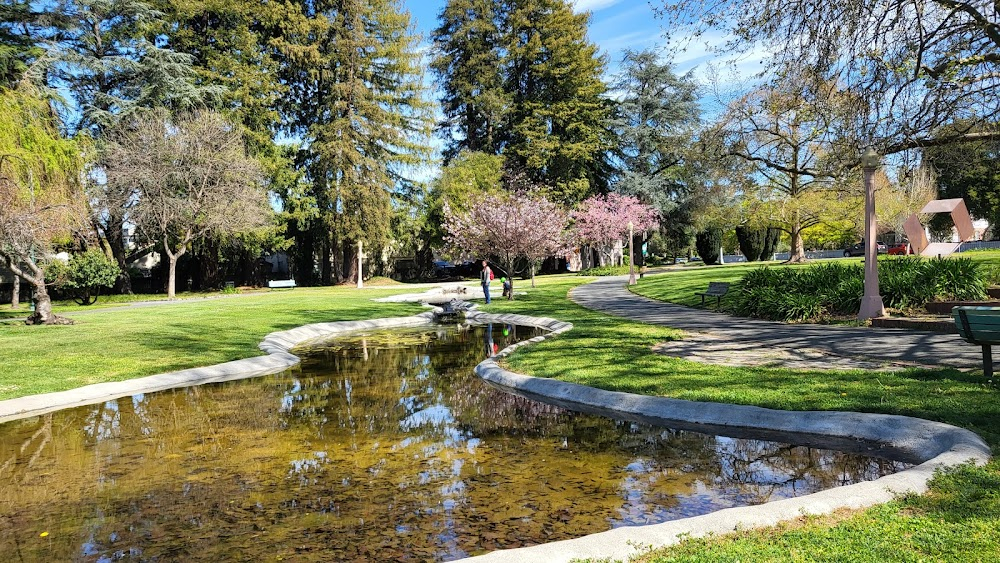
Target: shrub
(605,271)
(709,244)
(770,243)
(83,276)
(799,294)
(752,242)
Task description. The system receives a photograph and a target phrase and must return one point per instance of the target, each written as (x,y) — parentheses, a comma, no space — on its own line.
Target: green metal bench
(979,326)
(716,290)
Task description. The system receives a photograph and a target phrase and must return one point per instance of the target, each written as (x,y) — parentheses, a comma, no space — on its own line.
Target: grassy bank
(958,521)
(114,344)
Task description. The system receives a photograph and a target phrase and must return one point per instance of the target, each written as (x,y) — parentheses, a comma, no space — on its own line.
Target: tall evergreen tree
(520,79)
(654,122)
(558,123)
(19,39)
(228,43)
(106,60)
(468,63)
(356,98)
(111,67)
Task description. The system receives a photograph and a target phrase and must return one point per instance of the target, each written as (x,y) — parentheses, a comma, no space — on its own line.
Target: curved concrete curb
(932,445)
(277,345)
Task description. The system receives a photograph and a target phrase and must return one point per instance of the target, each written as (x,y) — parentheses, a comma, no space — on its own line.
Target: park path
(610,295)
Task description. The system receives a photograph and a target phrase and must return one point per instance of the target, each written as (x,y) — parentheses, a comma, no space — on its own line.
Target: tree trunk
(326,262)
(797,253)
(15,296)
(532,266)
(350,262)
(304,260)
(509,266)
(172,277)
(114,238)
(172,268)
(43,304)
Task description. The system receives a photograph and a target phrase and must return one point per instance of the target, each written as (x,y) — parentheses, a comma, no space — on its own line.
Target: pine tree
(558,123)
(356,98)
(228,43)
(520,79)
(468,64)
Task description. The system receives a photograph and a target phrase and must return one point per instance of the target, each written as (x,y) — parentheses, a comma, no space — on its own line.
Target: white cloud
(592,5)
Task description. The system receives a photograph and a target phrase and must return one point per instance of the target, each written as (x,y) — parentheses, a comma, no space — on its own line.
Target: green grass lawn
(958,521)
(113,344)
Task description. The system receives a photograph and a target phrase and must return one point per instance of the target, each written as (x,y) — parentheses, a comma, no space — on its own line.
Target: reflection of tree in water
(370,452)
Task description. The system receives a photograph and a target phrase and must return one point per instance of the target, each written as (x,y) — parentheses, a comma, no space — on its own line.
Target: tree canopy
(912,65)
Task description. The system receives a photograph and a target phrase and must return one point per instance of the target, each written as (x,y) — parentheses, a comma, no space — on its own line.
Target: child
(506,287)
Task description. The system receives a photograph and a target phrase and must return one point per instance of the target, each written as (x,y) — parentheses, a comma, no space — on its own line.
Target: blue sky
(615,25)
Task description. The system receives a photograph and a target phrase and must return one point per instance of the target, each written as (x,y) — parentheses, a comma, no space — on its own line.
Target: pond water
(383,447)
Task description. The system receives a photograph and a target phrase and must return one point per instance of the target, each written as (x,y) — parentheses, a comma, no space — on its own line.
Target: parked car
(858,249)
(902,248)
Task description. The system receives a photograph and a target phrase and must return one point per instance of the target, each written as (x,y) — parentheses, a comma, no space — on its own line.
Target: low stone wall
(931,445)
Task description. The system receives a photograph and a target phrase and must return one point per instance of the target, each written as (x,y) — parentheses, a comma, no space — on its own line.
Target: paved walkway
(609,295)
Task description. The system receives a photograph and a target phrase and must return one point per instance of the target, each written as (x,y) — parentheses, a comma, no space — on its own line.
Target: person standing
(485,276)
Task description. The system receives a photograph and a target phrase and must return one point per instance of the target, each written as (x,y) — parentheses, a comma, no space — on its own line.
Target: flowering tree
(602,220)
(508,226)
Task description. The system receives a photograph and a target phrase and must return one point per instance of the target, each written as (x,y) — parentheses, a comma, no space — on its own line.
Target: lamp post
(631,255)
(871,303)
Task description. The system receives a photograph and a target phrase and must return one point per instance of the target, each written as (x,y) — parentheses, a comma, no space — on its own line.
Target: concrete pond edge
(931,445)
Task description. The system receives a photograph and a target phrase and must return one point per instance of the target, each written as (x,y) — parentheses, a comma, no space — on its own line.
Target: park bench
(979,326)
(280,284)
(716,290)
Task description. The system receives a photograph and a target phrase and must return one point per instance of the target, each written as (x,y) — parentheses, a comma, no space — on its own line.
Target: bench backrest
(281,283)
(719,288)
(980,325)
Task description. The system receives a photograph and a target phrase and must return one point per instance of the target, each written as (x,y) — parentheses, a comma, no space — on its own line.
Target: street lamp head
(630,225)
(870,159)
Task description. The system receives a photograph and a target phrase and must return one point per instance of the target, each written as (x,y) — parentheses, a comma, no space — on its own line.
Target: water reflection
(384,447)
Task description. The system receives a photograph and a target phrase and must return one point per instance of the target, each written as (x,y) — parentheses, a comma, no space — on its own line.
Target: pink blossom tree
(509,226)
(602,220)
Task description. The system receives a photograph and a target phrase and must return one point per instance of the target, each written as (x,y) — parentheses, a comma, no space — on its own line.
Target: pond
(383,446)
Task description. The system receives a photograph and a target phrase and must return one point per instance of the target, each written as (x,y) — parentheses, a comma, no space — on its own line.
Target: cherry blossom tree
(509,226)
(602,221)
